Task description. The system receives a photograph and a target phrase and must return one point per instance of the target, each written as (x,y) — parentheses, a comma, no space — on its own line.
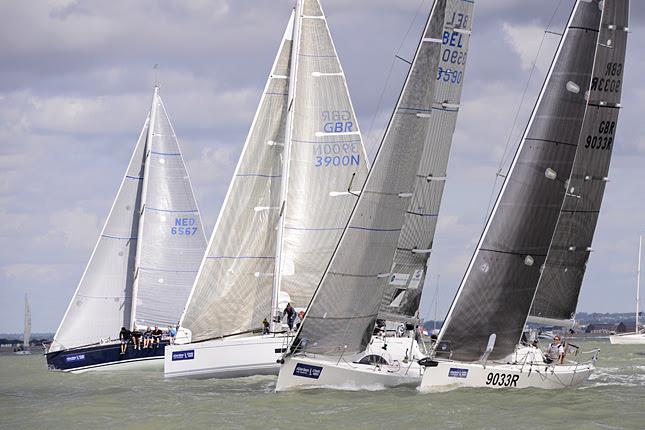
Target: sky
(76,83)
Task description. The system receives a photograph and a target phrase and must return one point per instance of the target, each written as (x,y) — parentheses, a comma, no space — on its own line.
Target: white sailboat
(638,337)
(379,265)
(26,338)
(145,260)
(284,212)
(555,185)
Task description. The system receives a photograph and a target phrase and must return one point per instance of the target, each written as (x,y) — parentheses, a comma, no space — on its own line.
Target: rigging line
(389,73)
(505,154)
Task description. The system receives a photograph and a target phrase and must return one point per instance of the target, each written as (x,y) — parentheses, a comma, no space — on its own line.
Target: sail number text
(184,227)
(453,50)
(502,379)
(610,82)
(604,138)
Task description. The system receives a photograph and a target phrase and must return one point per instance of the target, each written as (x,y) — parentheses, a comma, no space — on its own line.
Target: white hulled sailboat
(284,212)
(26,337)
(638,337)
(145,260)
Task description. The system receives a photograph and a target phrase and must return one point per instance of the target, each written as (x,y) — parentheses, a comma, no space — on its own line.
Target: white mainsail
(26,338)
(403,292)
(102,303)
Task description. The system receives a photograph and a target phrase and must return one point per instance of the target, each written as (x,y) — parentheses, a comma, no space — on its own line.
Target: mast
(26,339)
(147,149)
(638,280)
(286,157)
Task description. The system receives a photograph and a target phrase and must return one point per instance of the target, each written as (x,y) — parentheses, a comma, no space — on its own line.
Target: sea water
(33,398)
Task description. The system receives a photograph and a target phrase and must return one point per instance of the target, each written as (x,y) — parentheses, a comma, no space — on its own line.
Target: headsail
(232,292)
(341,316)
(325,157)
(171,236)
(496,293)
(559,287)
(101,304)
(403,292)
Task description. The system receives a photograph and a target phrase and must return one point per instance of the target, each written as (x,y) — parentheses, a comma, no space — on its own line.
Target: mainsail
(232,292)
(403,292)
(559,287)
(103,301)
(171,236)
(495,296)
(342,313)
(325,157)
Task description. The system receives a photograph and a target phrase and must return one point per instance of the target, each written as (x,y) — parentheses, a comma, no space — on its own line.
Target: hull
(105,357)
(226,358)
(449,375)
(304,372)
(628,339)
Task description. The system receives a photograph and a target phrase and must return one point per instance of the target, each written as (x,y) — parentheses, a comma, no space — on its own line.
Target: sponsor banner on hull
(75,358)
(183,355)
(456,372)
(307,371)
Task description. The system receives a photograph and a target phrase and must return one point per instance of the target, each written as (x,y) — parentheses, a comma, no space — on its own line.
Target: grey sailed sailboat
(379,265)
(144,262)
(286,207)
(535,245)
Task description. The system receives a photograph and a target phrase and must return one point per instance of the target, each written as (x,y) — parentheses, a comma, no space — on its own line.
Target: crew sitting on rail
(136,338)
(156,337)
(555,351)
(124,337)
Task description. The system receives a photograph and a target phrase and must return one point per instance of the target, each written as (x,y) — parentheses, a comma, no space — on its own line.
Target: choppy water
(31,397)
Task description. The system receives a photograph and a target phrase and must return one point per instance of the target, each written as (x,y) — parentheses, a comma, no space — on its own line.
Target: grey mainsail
(26,339)
(171,236)
(101,304)
(232,292)
(498,288)
(325,156)
(342,313)
(403,292)
(559,287)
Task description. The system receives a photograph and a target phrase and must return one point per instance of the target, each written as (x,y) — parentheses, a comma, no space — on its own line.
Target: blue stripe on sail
(314,228)
(326,141)
(469,1)
(138,178)
(242,257)
(422,214)
(375,229)
(258,174)
(118,237)
(169,210)
(277,94)
(165,153)
(150,269)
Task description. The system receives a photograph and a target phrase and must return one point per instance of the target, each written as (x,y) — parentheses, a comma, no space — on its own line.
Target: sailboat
(144,263)
(26,338)
(554,184)
(286,207)
(638,337)
(386,241)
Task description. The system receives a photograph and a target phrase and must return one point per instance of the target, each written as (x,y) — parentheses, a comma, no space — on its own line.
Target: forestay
(341,316)
(326,156)
(559,286)
(101,304)
(403,292)
(496,293)
(232,292)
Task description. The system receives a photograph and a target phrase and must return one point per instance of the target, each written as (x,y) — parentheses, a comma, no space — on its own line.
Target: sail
(101,304)
(559,286)
(26,339)
(171,240)
(403,292)
(496,293)
(342,313)
(232,292)
(325,156)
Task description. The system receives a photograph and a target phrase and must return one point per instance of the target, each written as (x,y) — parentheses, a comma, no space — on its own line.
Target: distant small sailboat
(379,265)
(638,337)
(26,338)
(286,207)
(145,260)
(554,187)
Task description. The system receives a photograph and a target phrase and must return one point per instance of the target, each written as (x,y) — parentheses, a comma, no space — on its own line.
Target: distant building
(625,328)
(601,328)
